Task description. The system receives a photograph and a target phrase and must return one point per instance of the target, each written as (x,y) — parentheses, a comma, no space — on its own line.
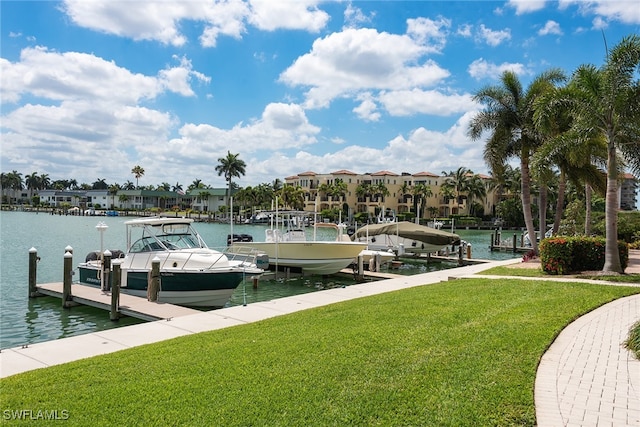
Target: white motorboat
(404,236)
(191,273)
(290,248)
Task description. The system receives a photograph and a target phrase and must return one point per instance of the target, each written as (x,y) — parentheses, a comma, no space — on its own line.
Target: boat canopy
(409,230)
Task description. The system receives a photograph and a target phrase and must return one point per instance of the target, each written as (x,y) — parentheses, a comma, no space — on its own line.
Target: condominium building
(384,193)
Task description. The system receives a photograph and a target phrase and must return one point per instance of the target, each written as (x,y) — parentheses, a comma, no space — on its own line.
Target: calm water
(25,321)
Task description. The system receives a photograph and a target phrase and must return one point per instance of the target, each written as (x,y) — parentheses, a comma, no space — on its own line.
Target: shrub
(633,342)
(562,255)
(556,255)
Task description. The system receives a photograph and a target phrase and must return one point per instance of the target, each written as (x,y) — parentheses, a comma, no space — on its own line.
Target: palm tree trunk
(562,186)
(542,214)
(611,254)
(587,213)
(526,200)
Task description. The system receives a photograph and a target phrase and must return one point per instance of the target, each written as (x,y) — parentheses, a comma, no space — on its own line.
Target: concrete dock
(130,305)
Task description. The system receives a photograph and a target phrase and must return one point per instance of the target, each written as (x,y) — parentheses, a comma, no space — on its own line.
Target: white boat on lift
(290,248)
(404,236)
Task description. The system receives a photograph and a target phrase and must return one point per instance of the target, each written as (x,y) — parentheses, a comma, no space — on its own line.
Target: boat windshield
(165,237)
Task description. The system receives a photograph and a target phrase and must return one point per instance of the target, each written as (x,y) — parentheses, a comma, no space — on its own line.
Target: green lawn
(458,353)
(537,272)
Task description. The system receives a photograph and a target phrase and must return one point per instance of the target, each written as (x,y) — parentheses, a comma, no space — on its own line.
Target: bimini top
(156,221)
(409,230)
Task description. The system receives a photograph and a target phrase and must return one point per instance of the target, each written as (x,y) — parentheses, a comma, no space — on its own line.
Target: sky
(90,89)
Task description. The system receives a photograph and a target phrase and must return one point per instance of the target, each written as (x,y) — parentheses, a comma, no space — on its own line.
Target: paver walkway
(587,377)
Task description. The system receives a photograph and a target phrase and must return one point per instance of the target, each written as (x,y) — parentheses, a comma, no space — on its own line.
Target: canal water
(26,321)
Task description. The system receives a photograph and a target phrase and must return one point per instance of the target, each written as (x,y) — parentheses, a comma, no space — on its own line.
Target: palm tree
(605,104)
(457,181)
(421,193)
(113,190)
(197,183)
(230,166)
(137,172)
(476,189)
(32,182)
(509,117)
(100,184)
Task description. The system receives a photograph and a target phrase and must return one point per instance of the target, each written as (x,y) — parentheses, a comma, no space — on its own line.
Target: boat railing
(171,262)
(246,255)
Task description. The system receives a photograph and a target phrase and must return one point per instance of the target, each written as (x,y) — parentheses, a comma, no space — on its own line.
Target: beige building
(366,193)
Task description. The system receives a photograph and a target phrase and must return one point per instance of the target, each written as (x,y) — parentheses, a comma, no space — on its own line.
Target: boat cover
(409,230)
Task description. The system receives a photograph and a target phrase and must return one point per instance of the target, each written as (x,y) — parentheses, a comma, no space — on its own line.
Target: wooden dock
(130,305)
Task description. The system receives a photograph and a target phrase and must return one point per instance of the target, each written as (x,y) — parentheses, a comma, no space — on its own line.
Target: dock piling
(153,287)
(115,291)
(105,283)
(33,269)
(67,299)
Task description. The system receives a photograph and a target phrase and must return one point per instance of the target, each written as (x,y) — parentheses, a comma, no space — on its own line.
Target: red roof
(426,174)
(343,172)
(384,173)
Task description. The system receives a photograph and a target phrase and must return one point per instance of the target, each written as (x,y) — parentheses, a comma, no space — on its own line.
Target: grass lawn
(515,270)
(458,353)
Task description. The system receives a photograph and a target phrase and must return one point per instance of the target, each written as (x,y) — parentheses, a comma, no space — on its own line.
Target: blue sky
(90,89)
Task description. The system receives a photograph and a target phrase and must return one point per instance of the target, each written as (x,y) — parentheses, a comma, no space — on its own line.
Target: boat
(191,273)
(289,248)
(404,236)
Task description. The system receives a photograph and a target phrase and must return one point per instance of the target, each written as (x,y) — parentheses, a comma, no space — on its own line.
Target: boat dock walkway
(130,305)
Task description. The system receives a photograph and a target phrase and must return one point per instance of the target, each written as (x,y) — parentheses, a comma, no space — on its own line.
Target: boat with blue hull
(191,273)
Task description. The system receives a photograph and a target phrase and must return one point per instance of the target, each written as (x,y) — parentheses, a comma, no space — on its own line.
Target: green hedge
(563,255)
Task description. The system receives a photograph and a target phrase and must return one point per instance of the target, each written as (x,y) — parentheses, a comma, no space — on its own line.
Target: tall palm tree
(230,166)
(476,189)
(606,104)
(421,193)
(508,117)
(458,181)
(137,172)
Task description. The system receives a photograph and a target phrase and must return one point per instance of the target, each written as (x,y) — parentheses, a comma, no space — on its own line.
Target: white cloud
(432,102)
(526,6)
(357,60)
(429,32)
(72,76)
(493,38)
(160,20)
(464,30)
(482,69)
(300,15)
(367,110)
(551,27)
(353,17)
(599,23)
(626,12)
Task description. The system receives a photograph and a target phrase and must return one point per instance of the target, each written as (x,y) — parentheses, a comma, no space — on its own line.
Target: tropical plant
(100,184)
(508,117)
(605,104)
(230,166)
(137,172)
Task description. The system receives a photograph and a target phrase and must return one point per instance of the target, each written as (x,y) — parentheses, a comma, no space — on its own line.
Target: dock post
(255,283)
(115,291)
(154,280)
(468,250)
(33,269)
(460,260)
(66,280)
(515,239)
(106,270)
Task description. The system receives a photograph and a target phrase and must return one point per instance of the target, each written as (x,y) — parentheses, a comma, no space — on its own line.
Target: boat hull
(320,258)
(195,289)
